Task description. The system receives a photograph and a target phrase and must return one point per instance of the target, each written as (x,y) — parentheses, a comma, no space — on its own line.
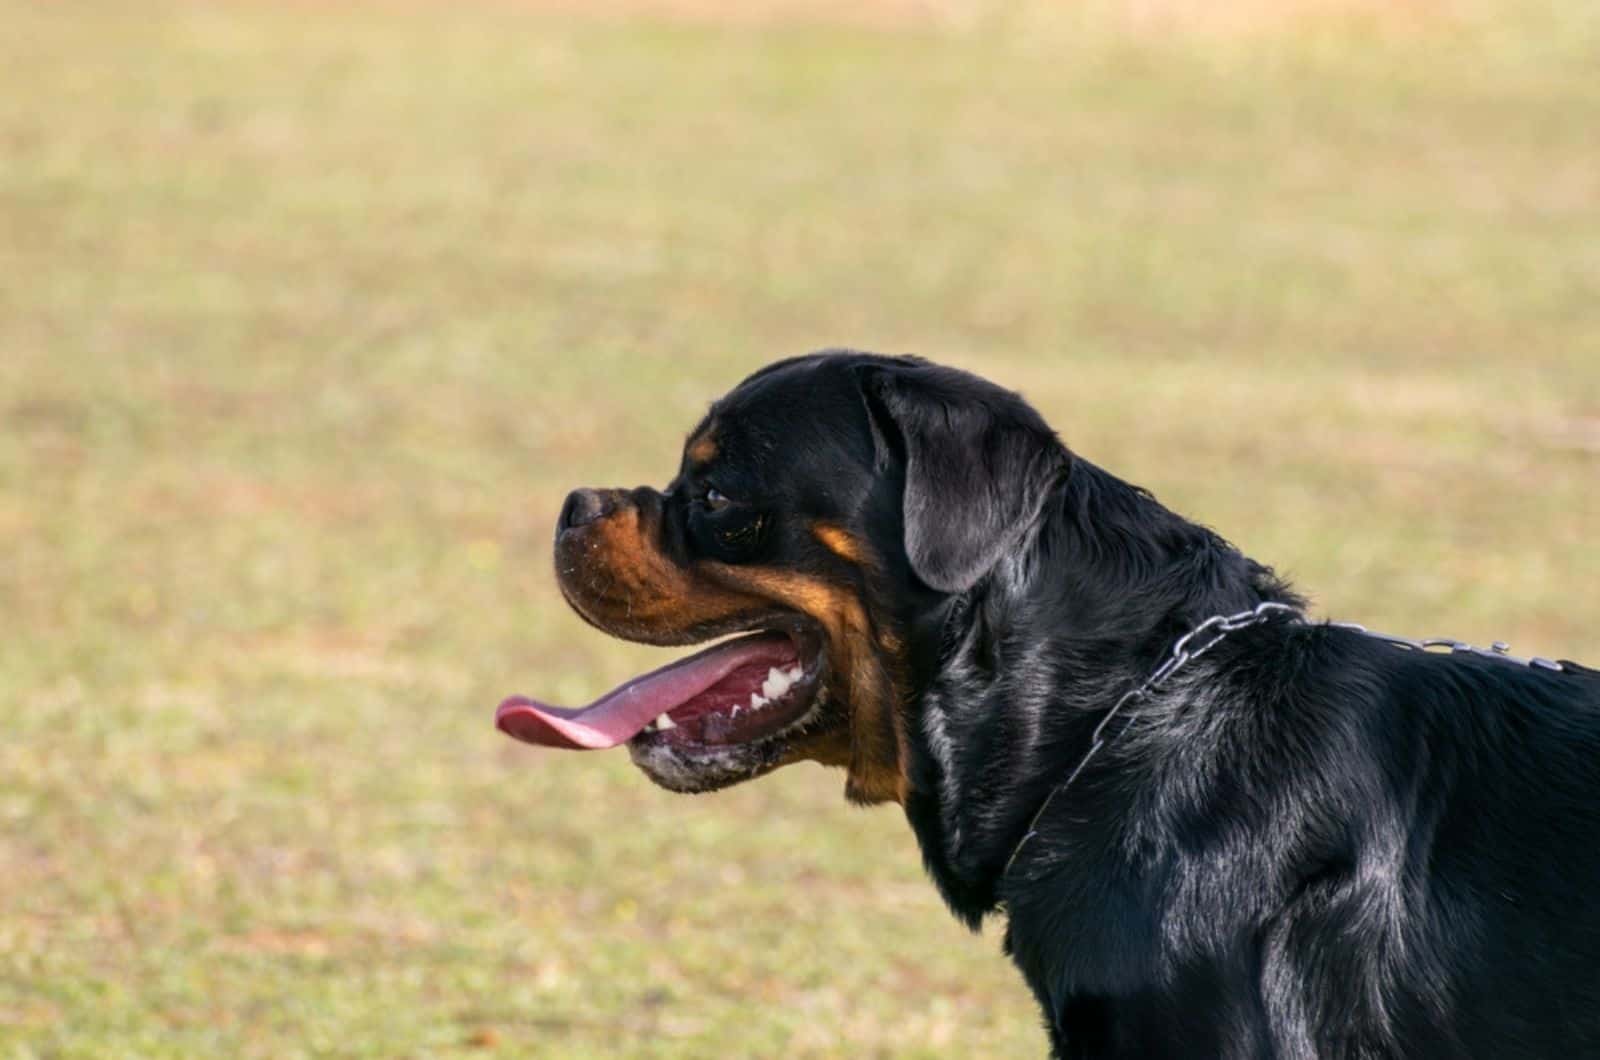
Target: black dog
(1299,840)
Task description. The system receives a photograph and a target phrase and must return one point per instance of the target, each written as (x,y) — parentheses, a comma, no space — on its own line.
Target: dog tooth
(665,722)
(778,682)
(757,701)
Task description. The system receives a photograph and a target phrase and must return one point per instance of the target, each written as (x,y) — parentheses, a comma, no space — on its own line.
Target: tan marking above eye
(703,448)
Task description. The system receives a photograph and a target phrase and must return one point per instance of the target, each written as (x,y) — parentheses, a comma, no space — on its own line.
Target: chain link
(1498,650)
(1213,631)
(1189,647)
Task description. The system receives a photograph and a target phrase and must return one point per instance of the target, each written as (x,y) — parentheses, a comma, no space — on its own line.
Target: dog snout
(583,507)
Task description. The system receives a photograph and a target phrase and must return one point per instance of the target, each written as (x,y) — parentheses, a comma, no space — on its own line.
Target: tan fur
(840,542)
(643,594)
(703,449)
(875,753)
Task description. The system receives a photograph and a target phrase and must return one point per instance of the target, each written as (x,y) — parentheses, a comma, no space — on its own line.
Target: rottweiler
(1216,827)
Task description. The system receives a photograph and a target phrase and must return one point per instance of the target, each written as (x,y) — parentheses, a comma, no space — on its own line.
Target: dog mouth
(723,710)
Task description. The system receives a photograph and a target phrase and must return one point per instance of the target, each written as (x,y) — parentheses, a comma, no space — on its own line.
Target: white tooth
(665,722)
(793,673)
(757,701)
(777,683)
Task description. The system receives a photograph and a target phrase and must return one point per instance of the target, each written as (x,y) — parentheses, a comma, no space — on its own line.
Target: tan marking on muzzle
(876,752)
(623,584)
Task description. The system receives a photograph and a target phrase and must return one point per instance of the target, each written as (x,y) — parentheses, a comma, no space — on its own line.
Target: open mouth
(745,691)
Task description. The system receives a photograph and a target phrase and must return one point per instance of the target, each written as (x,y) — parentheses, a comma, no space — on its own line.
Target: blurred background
(309,317)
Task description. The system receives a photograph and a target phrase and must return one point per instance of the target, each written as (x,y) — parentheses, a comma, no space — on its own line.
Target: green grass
(309,319)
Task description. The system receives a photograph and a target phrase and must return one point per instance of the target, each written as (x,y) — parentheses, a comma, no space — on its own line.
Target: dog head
(819,510)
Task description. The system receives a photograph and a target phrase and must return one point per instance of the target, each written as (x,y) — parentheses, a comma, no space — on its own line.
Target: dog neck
(1020,670)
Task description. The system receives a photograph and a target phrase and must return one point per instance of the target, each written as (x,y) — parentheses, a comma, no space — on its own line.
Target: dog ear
(978,463)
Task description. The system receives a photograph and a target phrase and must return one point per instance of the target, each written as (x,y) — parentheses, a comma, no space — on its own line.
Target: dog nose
(583,507)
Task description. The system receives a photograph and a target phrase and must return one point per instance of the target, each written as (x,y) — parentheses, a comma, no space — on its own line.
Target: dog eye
(715,501)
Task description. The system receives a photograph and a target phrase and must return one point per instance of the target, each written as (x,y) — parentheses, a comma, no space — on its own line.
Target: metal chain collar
(1207,635)
(1498,650)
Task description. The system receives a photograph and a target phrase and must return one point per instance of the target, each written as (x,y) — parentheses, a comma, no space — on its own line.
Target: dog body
(1305,842)
(1318,845)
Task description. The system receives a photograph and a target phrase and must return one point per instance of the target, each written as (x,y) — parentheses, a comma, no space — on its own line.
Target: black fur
(1310,844)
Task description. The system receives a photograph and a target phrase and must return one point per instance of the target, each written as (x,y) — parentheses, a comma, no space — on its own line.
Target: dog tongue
(617,716)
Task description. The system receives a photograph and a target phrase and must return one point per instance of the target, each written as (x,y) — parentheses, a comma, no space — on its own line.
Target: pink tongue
(617,716)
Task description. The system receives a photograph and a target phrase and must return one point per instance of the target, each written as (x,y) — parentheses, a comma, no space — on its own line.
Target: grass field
(308,319)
